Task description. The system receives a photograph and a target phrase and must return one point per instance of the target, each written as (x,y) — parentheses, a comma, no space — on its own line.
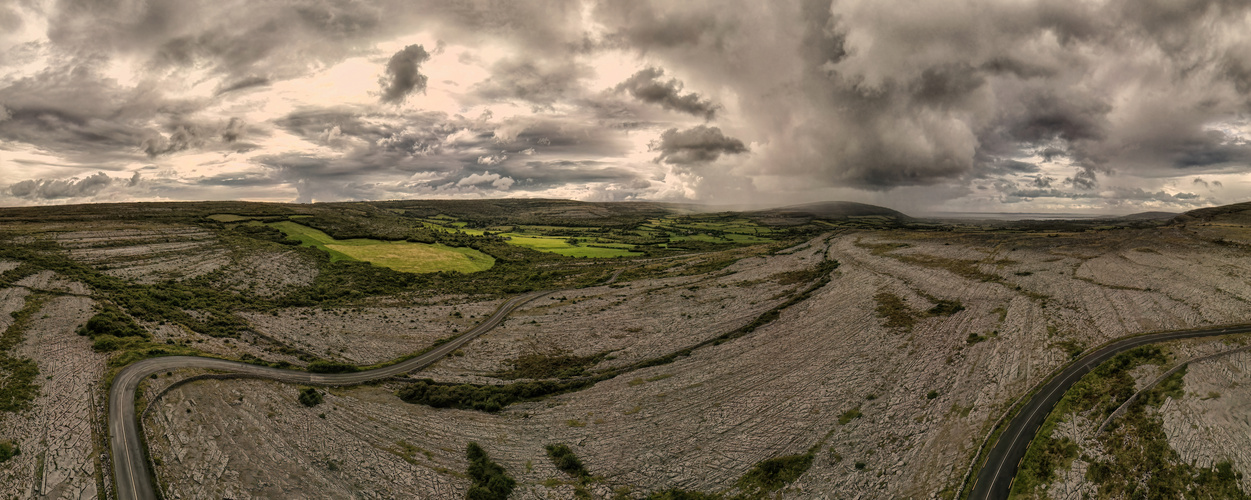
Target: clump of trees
(310,397)
(489,480)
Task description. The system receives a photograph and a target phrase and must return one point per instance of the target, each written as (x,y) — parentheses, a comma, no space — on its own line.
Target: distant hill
(835,210)
(1149,216)
(1237,213)
(529,210)
(840,210)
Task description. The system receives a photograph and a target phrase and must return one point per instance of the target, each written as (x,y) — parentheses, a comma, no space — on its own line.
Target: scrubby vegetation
(8,449)
(1140,461)
(489,398)
(489,480)
(895,311)
(310,397)
(898,314)
(539,366)
(17,375)
(565,460)
(849,415)
(772,474)
(493,398)
(323,366)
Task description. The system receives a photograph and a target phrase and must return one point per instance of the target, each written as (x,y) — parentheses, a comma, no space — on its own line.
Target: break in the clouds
(966,105)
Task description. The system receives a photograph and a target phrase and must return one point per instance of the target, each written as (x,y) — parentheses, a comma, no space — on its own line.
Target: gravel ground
(702,421)
(270,274)
(148,254)
(56,440)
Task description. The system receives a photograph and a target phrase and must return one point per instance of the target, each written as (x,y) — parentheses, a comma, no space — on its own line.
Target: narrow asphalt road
(994,480)
(130,467)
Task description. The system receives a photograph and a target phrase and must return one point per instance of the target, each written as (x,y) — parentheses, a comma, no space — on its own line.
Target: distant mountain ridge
(836,210)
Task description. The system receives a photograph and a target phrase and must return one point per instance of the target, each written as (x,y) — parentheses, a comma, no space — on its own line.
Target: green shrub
(895,311)
(17,386)
(489,398)
(550,366)
(565,460)
(774,473)
(849,415)
(310,397)
(946,308)
(9,449)
(489,480)
(112,321)
(323,366)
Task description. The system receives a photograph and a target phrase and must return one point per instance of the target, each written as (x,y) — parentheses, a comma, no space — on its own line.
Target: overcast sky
(1112,106)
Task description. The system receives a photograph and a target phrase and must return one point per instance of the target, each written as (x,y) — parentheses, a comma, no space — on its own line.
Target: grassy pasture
(398,255)
(228,218)
(561,246)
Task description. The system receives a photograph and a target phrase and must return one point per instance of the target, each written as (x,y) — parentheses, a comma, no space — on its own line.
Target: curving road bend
(994,480)
(130,466)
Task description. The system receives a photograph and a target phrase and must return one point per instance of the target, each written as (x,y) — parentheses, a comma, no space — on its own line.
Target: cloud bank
(966,105)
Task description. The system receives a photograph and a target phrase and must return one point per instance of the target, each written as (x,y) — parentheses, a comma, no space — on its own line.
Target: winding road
(130,466)
(994,480)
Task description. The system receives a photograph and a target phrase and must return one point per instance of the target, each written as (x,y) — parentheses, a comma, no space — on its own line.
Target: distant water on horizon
(1016,215)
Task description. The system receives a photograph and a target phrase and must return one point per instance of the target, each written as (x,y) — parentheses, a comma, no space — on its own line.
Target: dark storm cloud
(699,144)
(647,86)
(244,83)
(61,188)
(402,77)
(877,95)
(231,39)
(1083,179)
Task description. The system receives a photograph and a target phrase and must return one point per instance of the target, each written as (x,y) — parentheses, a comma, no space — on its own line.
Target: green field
(228,218)
(398,255)
(598,242)
(561,246)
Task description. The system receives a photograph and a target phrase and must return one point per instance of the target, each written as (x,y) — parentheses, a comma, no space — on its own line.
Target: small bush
(112,321)
(550,366)
(310,397)
(849,415)
(895,311)
(931,395)
(489,480)
(774,473)
(946,308)
(9,449)
(565,460)
(677,494)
